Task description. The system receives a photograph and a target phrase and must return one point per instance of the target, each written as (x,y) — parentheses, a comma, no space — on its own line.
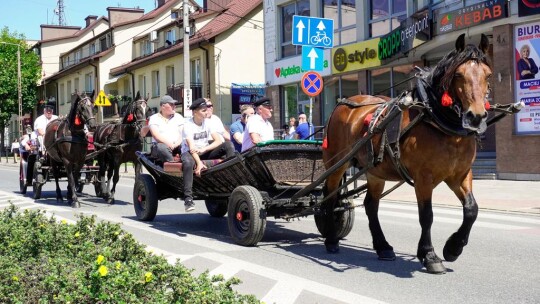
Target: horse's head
(83,113)
(464,83)
(135,112)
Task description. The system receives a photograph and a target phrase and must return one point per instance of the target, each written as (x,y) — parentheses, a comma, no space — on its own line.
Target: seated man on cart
(41,124)
(166,129)
(196,147)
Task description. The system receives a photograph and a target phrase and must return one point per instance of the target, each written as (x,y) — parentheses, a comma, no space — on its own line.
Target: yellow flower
(118,265)
(77,234)
(15,278)
(100,259)
(148,277)
(64,222)
(103,270)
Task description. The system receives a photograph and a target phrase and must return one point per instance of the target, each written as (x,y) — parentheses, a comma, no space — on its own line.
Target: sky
(26,16)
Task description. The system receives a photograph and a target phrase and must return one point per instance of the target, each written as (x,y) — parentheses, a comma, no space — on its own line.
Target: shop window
(385,16)
(301,8)
(335,88)
(390,81)
(295,101)
(343,12)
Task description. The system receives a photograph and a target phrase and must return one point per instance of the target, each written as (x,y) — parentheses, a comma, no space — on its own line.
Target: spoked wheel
(38,180)
(247,216)
(343,220)
(145,198)
(216,208)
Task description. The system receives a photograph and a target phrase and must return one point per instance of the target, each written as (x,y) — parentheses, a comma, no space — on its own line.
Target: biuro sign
(355,56)
(471,15)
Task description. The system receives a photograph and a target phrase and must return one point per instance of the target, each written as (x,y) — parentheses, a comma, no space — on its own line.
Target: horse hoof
(75,204)
(451,256)
(110,201)
(435,267)
(386,255)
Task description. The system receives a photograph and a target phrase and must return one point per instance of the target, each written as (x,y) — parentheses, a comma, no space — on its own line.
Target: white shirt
(200,135)
(42,122)
(216,125)
(170,128)
(256,124)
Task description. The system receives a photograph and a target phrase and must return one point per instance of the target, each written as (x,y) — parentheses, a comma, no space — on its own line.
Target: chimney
(160,2)
(90,19)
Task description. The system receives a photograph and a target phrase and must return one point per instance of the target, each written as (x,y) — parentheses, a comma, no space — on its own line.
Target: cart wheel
(343,221)
(247,216)
(145,198)
(216,208)
(38,180)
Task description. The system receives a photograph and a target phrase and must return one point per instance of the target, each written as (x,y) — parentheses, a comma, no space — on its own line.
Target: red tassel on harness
(130,117)
(77,121)
(446,100)
(487,105)
(325,143)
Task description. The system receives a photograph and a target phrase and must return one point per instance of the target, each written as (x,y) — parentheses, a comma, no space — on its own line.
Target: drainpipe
(96,85)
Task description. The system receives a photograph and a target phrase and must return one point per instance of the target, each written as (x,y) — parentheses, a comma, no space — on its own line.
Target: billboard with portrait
(527,77)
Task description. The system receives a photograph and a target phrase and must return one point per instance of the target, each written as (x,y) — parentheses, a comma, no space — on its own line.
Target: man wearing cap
(40,124)
(166,129)
(196,147)
(215,121)
(258,127)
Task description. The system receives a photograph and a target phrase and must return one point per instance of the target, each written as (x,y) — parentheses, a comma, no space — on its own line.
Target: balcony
(177,92)
(116,110)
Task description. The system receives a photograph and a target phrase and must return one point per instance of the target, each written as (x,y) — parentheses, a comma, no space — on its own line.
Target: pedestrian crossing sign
(102,100)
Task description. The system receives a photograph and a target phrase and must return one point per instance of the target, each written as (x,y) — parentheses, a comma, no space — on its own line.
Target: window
(88,83)
(92,49)
(142,85)
(62,94)
(383,79)
(170,36)
(300,7)
(146,47)
(155,83)
(75,86)
(103,44)
(196,71)
(343,12)
(78,54)
(169,75)
(68,92)
(295,101)
(385,16)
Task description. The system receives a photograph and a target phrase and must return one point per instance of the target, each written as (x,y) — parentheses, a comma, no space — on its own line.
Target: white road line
(284,292)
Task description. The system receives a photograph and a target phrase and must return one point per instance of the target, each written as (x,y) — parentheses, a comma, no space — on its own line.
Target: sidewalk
(500,195)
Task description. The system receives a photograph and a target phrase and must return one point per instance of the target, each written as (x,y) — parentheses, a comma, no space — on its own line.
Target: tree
(30,74)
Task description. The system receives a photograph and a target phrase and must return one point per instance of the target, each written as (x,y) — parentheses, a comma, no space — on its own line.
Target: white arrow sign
(300,26)
(312,58)
(321,26)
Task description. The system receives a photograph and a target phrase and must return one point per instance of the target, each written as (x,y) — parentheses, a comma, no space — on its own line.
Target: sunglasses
(209,106)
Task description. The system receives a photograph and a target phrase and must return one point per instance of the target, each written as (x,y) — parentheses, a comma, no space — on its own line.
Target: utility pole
(187,67)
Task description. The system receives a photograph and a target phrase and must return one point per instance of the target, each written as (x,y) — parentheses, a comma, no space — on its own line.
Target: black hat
(167,99)
(48,107)
(265,101)
(199,102)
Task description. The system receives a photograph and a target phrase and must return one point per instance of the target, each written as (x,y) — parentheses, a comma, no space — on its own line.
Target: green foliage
(46,261)
(30,74)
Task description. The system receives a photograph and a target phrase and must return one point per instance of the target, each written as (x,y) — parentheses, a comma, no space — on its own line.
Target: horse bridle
(80,103)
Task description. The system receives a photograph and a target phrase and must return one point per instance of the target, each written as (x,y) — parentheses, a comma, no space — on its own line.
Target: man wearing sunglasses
(215,122)
(259,128)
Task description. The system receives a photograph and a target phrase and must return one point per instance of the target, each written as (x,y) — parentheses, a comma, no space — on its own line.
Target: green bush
(46,261)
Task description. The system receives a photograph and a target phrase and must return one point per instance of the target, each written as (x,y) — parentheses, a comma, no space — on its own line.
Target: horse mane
(443,73)
(73,110)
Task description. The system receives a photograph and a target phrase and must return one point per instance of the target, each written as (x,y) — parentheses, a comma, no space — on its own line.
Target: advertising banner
(527,86)
(528,7)
(244,94)
(471,15)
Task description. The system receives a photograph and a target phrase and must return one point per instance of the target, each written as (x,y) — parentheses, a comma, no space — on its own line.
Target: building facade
(377,45)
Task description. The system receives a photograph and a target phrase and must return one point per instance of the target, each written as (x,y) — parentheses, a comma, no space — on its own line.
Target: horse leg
(116,178)
(72,195)
(375,188)
(100,176)
(56,173)
(425,252)
(459,239)
(332,182)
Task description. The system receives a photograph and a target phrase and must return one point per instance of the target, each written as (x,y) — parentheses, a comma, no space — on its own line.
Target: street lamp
(19,85)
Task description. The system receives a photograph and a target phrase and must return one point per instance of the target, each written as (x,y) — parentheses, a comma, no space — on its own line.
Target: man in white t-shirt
(258,127)
(215,122)
(196,147)
(40,124)
(166,129)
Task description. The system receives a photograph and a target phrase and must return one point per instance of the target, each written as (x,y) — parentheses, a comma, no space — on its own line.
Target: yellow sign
(102,100)
(357,56)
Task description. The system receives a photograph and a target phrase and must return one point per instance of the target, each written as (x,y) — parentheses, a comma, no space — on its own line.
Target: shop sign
(471,15)
(528,7)
(527,83)
(290,70)
(356,56)
(412,32)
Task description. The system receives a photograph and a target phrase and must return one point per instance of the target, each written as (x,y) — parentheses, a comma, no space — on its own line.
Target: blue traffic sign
(312,58)
(312,83)
(313,31)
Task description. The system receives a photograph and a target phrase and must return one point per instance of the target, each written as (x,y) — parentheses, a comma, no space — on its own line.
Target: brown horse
(120,142)
(66,144)
(434,141)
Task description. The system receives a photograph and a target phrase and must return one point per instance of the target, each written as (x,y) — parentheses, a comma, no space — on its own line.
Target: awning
(115,79)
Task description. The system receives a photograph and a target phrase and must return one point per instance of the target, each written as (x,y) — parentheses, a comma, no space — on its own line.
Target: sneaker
(189,204)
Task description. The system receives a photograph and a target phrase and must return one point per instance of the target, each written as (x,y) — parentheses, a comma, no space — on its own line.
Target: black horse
(120,141)
(66,144)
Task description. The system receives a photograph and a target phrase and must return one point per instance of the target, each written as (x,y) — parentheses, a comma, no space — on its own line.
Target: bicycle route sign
(312,83)
(313,31)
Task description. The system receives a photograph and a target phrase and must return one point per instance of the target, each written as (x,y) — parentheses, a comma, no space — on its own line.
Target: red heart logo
(278,72)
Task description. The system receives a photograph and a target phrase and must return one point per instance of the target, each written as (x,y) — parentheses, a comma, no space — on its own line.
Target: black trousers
(163,153)
(188,163)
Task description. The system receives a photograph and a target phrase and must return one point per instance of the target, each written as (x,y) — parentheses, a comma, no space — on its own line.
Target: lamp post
(19,86)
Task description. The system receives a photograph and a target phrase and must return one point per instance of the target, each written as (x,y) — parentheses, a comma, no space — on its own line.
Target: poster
(527,77)
(244,94)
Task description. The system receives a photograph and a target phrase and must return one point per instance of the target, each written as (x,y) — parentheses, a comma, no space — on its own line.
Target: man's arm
(154,129)
(217,141)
